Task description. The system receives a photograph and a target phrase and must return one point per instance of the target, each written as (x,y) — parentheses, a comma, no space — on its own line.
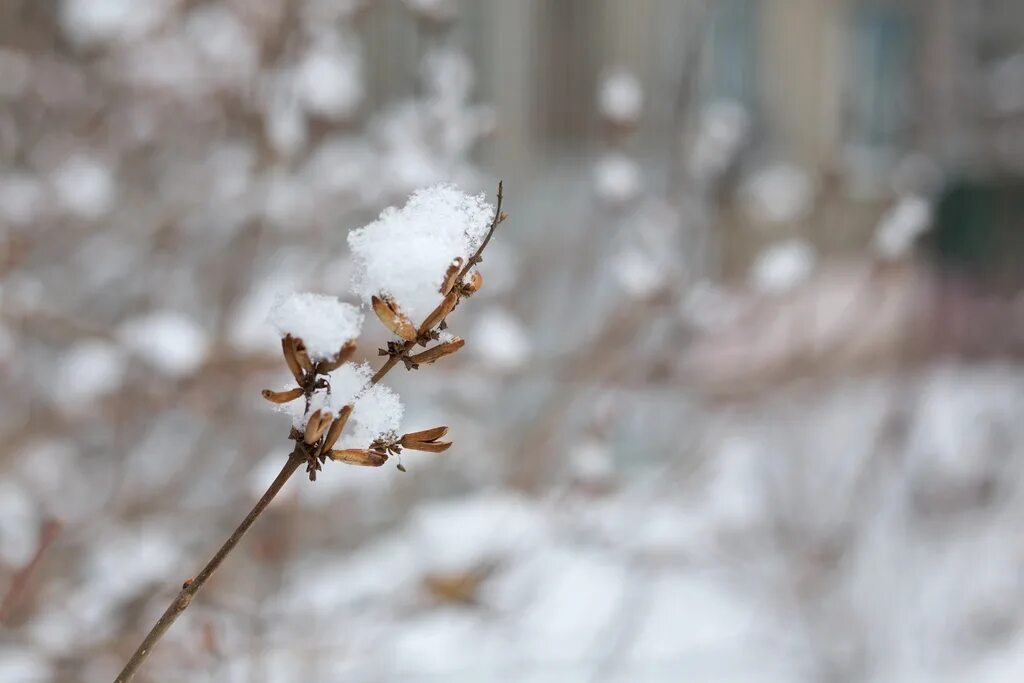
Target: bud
(288,348)
(440,313)
(336,428)
(343,356)
(282,396)
(451,275)
(425,435)
(315,427)
(428,446)
(476,281)
(302,355)
(359,456)
(393,318)
(440,351)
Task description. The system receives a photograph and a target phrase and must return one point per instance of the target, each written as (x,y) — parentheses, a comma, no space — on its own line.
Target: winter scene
(512,341)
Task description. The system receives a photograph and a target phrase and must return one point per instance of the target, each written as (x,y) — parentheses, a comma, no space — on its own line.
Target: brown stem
(193,586)
(476,257)
(297,457)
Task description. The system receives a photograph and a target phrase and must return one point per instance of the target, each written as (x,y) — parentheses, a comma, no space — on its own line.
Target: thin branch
(297,457)
(498,218)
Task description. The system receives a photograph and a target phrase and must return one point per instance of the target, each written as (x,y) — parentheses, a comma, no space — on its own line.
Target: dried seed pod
(476,281)
(428,446)
(440,313)
(451,275)
(315,427)
(440,351)
(343,356)
(359,456)
(282,396)
(288,348)
(393,318)
(336,428)
(425,435)
(302,355)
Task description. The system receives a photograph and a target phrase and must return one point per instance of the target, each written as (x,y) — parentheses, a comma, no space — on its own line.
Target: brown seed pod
(316,426)
(440,351)
(476,281)
(288,349)
(428,446)
(440,313)
(336,428)
(432,434)
(451,275)
(343,356)
(393,318)
(302,355)
(282,396)
(359,456)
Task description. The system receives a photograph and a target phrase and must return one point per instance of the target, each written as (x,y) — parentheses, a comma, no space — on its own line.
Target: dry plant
(331,387)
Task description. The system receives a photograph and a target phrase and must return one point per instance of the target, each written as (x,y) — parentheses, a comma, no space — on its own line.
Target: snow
(89,22)
(378,411)
(620,96)
(405,253)
(19,666)
(723,128)
(323,322)
(780,193)
(901,226)
(328,81)
(617,178)
(168,340)
(21,198)
(84,186)
(782,266)
(499,338)
(638,274)
(90,369)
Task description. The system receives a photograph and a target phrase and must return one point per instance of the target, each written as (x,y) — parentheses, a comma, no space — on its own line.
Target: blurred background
(741,399)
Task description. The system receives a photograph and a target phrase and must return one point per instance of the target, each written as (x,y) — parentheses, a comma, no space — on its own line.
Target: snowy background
(741,398)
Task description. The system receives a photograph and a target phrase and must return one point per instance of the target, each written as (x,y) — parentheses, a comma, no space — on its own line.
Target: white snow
(328,81)
(377,412)
(901,226)
(323,322)
(88,370)
(89,22)
(169,341)
(21,198)
(405,253)
(84,186)
(724,126)
(620,97)
(780,193)
(617,178)
(499,338)
(637,273)
(782,266)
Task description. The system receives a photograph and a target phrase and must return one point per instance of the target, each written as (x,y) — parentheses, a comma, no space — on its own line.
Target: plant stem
(189,590)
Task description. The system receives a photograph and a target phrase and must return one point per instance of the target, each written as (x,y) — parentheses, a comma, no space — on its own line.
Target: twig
(297,457)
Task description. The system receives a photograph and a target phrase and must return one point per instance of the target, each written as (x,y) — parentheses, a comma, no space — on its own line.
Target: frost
(782,266)
(404,253)
(170,341)
(377,412)
(617,178)
(901,226)
(84,186)
(90,369)
(500,338)
(620,97)
(321,321)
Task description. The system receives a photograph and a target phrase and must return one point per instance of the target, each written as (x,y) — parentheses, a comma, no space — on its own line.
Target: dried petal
(315,427)
(451,275)
(336,428)
(393,318)
(302,355)
(428,446)
(440,313)
(343,356)
(425,435)
(288,348)
(282,396)
(359,456)
(440,351)
(476,281)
